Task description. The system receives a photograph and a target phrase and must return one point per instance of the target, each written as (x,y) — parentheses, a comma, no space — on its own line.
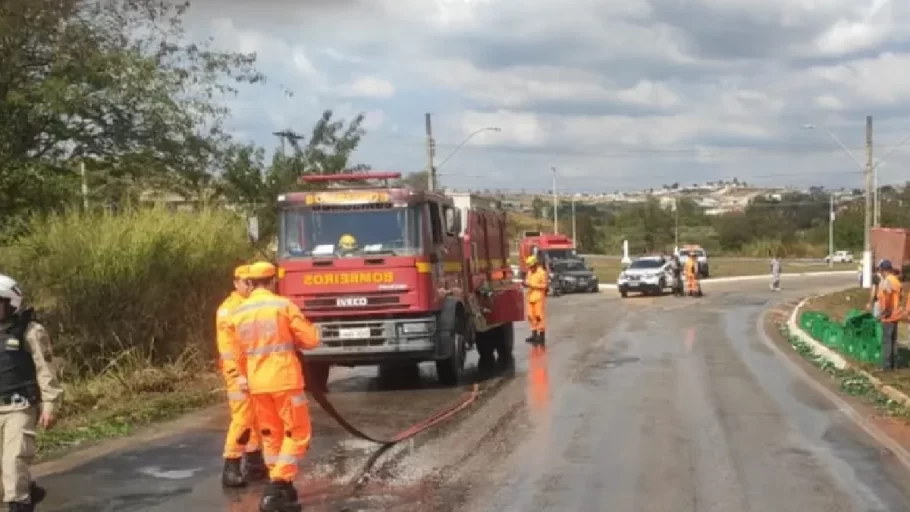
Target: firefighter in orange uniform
(692,287)
(272,330)
(243,435)
(536,282)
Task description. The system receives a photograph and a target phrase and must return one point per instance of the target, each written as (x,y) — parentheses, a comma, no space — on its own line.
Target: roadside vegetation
(127,287)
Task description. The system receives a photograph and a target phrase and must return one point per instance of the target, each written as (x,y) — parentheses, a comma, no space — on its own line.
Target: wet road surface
(644,404)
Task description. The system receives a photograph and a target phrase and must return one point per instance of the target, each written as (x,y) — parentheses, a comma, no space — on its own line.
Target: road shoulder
(882,418)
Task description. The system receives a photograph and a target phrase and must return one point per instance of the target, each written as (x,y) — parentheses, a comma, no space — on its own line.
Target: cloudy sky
(615,94)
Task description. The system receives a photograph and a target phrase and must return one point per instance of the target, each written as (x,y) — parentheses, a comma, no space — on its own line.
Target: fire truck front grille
(337,303)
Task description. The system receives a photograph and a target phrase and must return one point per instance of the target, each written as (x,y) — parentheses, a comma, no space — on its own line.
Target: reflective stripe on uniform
(286,459)
(271,349)
(237,396)
(298,399)
(227,356)
(259,305)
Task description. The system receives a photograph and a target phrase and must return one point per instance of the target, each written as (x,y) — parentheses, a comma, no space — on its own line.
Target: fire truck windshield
(560,254)
(340,231)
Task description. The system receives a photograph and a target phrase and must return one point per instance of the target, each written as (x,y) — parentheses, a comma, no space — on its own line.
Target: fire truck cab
(383,273)
(547,247)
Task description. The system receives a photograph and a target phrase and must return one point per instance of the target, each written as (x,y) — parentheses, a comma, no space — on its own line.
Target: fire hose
(407,433)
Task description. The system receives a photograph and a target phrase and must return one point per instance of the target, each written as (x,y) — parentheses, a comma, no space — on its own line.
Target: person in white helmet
(29,395)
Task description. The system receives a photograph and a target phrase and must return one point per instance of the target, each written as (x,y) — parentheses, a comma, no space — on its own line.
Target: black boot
(279,497)
(232,476)
(541,339)
(256,469)
(532,339)
(36,493)
(18,506)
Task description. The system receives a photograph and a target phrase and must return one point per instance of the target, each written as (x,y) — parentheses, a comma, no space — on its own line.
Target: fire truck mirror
(252,229)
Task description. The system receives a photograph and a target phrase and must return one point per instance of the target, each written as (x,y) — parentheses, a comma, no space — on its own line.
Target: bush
(144,283)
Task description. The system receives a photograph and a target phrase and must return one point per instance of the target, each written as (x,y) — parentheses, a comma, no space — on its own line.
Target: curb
(759,277)
(838,360)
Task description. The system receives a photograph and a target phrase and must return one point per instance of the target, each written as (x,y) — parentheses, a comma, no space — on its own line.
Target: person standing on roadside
(676,269)
(29,395)
(273,331)
(242,438)
(536,283)
(890,312)
(775,273)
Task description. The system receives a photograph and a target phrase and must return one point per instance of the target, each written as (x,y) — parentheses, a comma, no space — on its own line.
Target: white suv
(649,275)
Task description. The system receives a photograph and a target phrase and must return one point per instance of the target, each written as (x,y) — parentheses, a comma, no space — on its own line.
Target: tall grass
(139,287)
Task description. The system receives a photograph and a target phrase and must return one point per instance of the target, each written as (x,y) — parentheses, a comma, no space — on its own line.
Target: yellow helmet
(347,242)
(261,270)
(531,260)
(242,272)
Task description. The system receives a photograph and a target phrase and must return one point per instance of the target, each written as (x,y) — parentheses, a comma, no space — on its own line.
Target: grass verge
(130,300)
(131,395)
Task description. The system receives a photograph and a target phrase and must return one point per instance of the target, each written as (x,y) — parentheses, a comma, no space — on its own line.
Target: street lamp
(465,141)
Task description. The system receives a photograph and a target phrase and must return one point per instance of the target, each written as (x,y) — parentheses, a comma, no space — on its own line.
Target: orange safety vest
(230,357)
(537,285)
(691,266)
(271,330)
(889,298)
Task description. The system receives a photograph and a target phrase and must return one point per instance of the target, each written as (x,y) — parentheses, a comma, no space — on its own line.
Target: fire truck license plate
(354,333)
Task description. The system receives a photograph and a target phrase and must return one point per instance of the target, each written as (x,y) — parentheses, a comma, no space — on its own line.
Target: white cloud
(709,88)
(369,87)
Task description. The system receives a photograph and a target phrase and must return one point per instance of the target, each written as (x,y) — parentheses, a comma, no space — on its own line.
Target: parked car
(700,255)
(571,275)
(650,275)
(840,257)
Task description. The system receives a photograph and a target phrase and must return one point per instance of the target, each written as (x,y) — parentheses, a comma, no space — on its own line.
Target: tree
(419,180)
(115,84)
(247,181)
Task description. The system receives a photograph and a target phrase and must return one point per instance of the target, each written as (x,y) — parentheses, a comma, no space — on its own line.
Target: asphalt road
(645,404)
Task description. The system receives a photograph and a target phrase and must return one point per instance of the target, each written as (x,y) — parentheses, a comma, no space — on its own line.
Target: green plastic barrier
(833,336)
(808,318)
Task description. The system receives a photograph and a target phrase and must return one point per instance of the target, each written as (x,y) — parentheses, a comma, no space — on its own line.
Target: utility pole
(84,186)
(831,231)
(555,204)
(877,199)
(431,150)
(867,232)
(574,238)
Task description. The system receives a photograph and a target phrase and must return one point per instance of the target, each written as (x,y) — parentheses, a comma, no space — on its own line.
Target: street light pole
(831,231)
(676,228)
(555,204)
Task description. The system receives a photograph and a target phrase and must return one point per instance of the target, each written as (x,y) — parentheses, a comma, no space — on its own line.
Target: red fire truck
(546,247)
(393,276)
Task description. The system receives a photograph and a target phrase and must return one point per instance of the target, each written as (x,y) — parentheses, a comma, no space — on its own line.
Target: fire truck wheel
(449,370)
(317,376)
(504,341)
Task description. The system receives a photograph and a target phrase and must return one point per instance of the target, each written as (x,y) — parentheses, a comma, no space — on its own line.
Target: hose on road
(407,433)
